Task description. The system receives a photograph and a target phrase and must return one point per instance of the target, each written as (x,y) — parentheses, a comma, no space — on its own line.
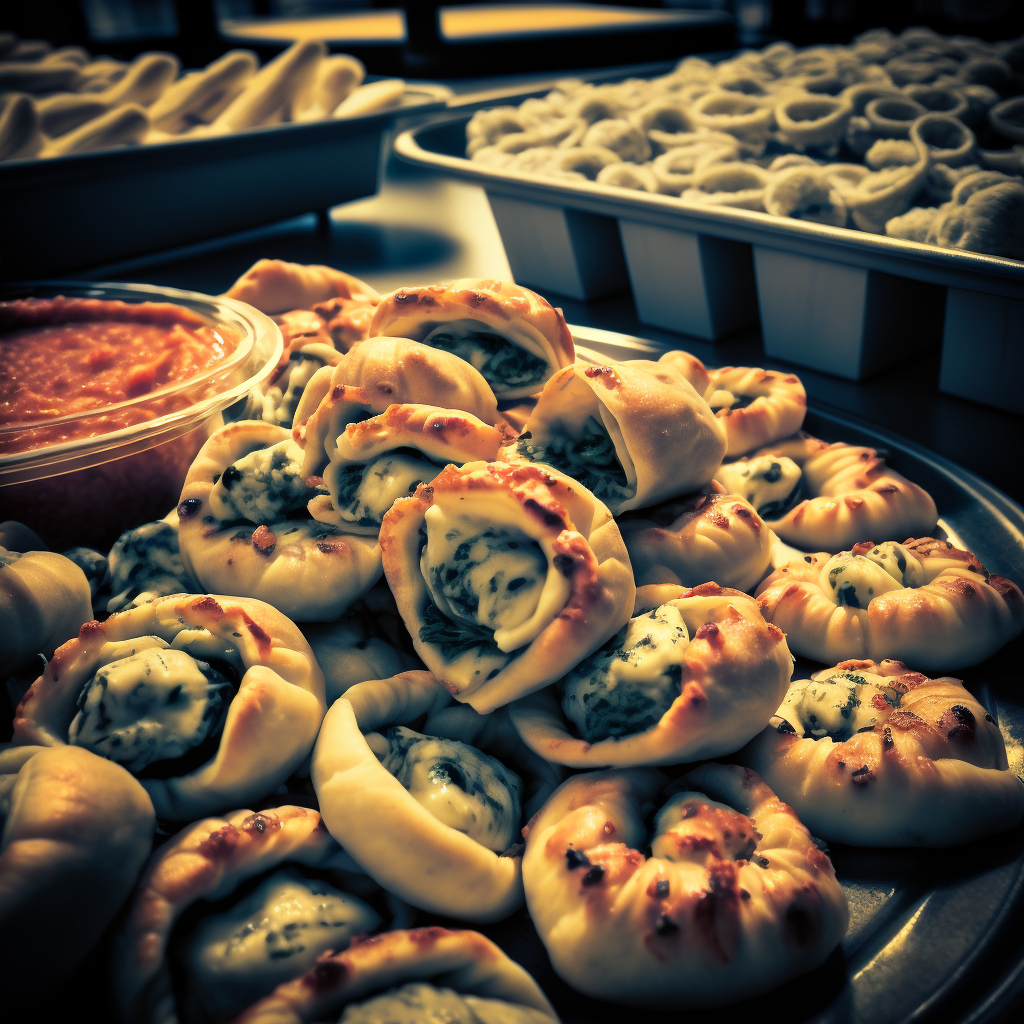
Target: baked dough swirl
(877,755)
(924,602)
(755,406)
(735,900)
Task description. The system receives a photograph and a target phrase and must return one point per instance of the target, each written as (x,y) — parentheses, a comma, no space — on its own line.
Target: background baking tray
(834,299)
(91,208)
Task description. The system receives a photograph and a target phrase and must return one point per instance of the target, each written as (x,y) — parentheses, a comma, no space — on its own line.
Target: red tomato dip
(73,357)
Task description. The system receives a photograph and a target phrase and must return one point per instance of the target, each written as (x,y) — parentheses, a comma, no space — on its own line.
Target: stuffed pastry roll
(275,286)
(145,563)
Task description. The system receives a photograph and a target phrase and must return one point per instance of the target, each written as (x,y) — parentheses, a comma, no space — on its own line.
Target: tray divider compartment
(844,320)
(690,283)
(569,252)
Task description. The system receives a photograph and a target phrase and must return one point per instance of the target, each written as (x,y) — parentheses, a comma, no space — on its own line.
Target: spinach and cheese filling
(627,685)
(95,566)
(420,1003)
(837,704)
(262,486)
(231,958)
(585,452)
(855,579)
(462,787)
(363,492)
(774,485)
(504,364)
(148,703)
(145,563)
(279,404)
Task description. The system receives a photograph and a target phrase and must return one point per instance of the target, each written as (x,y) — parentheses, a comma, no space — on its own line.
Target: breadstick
(30,50)
(99,74)
(117,127)
(68,55)
(143,82)
(64,112)
(336,79)
(194,92)
(20,136)
(8,41)
(28,76)
(369,98)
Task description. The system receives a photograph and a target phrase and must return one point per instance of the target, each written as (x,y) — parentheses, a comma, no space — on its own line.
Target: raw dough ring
(272,720)
(932,772)
(776,410)
(734,668)
(695,538)
(959,617)
(734,913)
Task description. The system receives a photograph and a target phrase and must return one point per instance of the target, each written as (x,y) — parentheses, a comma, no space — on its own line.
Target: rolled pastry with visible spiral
(691,676)
(276,286)
(506,576)
(432,813)
(513,336)
(208,701)
(820,496)
(755,406)
(877,755)
(735,899)
(924,603)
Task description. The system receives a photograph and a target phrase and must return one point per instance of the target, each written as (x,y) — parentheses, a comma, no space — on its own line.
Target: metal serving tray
(843,301)
(92,208)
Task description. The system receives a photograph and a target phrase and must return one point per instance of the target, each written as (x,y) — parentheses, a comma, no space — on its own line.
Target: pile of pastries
(918,136)
(54,102)
(454,622)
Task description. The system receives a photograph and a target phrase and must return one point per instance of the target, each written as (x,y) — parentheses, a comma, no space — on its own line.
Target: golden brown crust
(276,286)
(777,410)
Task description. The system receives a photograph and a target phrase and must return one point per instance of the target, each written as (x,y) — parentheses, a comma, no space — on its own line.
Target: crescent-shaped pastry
(924,603)
(696,538)
(276,286)
(876,755)
(756,406)
(76,831)
(506,577)
(512,335)
(228,958)
(735,900)
(820,496)
(154,689)
(478,982)
(243,528)
(631,436)
(691,676)
(431,817)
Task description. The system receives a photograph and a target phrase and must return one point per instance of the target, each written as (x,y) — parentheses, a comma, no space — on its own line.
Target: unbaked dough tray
(839,300)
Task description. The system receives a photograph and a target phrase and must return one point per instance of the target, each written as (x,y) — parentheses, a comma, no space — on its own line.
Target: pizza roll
(816,495)
(410,977)
(347,321)
(76,831)
(428,812)
(698,537)
(632,433)
(506,576)
(244,528)
(924,602)
(735,899)
(146,563)
(208,701)
(230,908)
(513,336)
(275,286)
(877,755)
(755,406)
(691,676)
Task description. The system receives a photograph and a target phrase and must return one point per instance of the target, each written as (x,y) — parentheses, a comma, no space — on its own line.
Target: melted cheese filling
(149,702)
(420,1003)
(261,486)
(279,405)
(854,580)
(768,482)
(145,563)
(898,562)
(837,703)
(233,958)
(629,684)
(362,494)
(462,787)
(503,363)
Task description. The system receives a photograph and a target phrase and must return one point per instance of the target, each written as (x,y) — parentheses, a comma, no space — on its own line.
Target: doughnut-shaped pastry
(1007,118)
(877,755)
(230,956)
(729,184)
(155,689)
(512,335)
(456,976)
(695,538)
(621,137)
(685,155)
(820,496)
(522,573)
(632,433)
(691,676)
(990,220)
(755,406)
(736,899)
(947,139)
(813,121)
(885,194)
(145,563)
(624,175)
(76,831)
(806,193)
(276,286)
(240,535)
(924,603)
(433,819)
(748,119)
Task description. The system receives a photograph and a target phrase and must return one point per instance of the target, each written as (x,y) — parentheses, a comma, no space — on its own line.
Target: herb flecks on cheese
(148,702)
(504,364)
(145,563)
(274,934)
(838,704)
(363,492)
(279,406)
(626,686)
(420,1003)
(853,580)
(898,562)
(460,786)
(262,486)
(772,484)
